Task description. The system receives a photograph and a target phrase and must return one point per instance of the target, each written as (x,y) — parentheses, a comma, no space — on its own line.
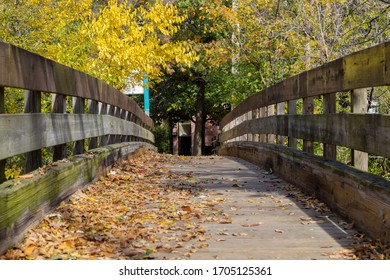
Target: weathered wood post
(93,108)
(270,112)
(78,108)
(2,111)
(280,112)
(32,104)
(103,111)
(329,105)
(263,113)
(292,110)
(59,106)
(308,109)
(359,106)
(111,112)
(255,115)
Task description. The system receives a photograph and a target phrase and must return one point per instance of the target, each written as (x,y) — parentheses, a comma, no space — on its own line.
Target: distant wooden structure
(248,132)
(111,124)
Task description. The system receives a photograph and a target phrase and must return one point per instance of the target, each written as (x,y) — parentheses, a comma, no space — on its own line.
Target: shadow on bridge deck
(266,217)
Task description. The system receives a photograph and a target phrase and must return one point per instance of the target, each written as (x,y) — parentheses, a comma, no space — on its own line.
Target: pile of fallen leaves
(132,213)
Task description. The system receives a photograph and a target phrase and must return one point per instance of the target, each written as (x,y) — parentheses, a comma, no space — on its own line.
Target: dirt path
(169,207)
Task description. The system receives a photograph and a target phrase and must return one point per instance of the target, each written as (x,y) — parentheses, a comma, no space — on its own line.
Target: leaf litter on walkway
(142,210)
(131,213)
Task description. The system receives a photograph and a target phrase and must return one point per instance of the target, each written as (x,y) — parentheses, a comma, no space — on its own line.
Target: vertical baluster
(59,106)
(263,113)
(78,108)
(32,104)
(93,108)
(308,109)
(359,106)
(330,151)
(2,111)
(271,112)
(111,112)
(292,110)
(103,111)
(280,112)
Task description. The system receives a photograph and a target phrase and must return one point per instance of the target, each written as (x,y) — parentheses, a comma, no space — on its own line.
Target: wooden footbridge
(266,129)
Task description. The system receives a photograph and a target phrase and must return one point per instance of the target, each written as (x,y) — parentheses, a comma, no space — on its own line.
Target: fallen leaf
(252,225)
(279,230)
(26,176)
(30,249)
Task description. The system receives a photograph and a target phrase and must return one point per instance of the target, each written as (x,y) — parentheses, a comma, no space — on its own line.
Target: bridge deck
(168,207)
(266,218)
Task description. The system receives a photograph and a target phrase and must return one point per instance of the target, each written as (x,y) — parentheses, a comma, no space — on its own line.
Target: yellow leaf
(30,249)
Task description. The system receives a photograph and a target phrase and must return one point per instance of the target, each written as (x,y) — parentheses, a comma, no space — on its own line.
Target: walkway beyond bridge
(169,207)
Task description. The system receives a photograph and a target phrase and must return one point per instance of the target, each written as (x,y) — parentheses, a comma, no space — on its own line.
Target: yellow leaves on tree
(132,42)
(116,42)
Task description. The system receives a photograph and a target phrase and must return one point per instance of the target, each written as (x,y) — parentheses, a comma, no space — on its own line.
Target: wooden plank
(271,112)
(2,111)
(308,109)
(59,106)
(30,71)
(78,108)
(366,132)
(47,130)
(365,68)
(32,104)
(103,111)
(93,108)
(280,112)
(359,105)
(387,65)
(329,105)
(292,110)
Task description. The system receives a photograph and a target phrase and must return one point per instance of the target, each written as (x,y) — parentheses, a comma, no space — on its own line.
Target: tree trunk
(198,146)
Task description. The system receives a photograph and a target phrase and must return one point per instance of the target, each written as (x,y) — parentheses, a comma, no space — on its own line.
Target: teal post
(146,97)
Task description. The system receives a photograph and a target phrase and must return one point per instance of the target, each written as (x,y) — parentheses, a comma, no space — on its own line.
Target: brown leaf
(186,208)
(26,176)
(279,230)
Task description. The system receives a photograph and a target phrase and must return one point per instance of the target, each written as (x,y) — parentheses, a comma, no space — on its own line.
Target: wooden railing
(109,116)
(265,128)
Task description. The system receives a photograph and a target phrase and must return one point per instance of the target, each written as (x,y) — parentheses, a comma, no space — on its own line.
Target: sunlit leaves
(118,42)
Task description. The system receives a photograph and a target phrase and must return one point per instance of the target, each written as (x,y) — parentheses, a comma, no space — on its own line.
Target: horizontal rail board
(365,132)
(367,68)
(21,133)
(26,70)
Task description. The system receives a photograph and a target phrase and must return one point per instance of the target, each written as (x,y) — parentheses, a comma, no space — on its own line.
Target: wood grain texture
(367,68)
(30,71)
(22,133)
(359,196)
(364,132)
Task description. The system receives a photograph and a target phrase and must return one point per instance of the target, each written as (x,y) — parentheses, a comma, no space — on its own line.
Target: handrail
(112,116)
(254,119)
(265,129)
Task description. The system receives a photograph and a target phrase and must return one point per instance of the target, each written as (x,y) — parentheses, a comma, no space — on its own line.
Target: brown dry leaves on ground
(129,214)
